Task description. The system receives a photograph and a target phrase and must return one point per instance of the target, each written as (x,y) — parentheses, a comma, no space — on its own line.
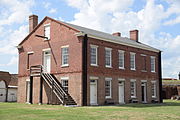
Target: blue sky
(158,22)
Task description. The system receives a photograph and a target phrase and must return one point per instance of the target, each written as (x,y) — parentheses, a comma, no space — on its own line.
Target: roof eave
(109,40)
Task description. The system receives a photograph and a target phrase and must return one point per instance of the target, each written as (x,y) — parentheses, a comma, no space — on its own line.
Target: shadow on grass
(136,105)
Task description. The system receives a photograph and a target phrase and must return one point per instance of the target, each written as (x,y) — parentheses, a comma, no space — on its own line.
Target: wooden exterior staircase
(57,88)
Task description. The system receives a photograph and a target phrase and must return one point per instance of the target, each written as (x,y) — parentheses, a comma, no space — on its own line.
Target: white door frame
(93,82)
(3,91)
(121,84)
(145,91)
(44,57)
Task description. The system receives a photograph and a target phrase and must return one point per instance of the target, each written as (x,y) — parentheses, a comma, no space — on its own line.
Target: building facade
(8,87)
(93,67)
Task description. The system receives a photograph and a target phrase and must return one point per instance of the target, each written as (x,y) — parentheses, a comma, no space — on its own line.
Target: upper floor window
(143,63)
(133,88)
(108,87)
(47,31)
(132,61)
(121,59)
(153,64)
(108,57)
(64,82)
(94,55)
(65,55)
(153,88)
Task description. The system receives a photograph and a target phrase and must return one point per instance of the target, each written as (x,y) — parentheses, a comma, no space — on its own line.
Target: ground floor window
(108,87)
(153,89)
(133,88)
(64,82)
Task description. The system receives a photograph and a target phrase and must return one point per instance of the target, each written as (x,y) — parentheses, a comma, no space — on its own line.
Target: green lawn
(169,110)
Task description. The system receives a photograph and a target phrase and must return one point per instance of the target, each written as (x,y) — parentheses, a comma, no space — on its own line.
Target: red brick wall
(60,36)
(101,71)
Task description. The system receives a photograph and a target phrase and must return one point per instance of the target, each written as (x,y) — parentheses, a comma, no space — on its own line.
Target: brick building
(62,63)
(8,87)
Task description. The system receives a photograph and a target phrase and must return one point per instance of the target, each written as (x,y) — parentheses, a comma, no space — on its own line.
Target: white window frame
(108,49)
(62,56)
(121,52)
(143,55)
(65,79)
(110,80)
(96,48)
(134,82)
(134,62)
(45,26)
(155,89)
(153,65)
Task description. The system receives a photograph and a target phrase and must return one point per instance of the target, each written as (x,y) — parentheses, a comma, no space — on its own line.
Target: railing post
(52,91)
(41,90)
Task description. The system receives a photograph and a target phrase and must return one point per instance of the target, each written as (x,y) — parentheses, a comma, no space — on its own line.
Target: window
(108,87)
(143,63)
(153,83)
(152,64)
(65,55)
(47,31)
(133,88)
(108,57)
(132,61)
(64,83)
(94,55)
(121,59)
(29,57)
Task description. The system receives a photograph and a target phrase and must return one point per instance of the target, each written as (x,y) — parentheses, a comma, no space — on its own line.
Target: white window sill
(108,97)
(95,65)
(143,71)
(133,96)
(133,69)
(108,66)
(121,68)
(154,97)
(65,65)
(153,71)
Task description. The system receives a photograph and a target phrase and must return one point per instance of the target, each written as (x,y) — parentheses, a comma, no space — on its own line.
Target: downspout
(160,77)
(84,70)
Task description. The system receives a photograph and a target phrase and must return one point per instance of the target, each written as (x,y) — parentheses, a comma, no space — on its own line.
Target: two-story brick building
(82,66)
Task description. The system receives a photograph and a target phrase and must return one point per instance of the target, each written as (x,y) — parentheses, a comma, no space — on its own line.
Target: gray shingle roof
(111,38)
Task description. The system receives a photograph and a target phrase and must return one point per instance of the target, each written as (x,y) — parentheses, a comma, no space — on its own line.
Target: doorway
(93,92)
(47,61)
(121,92)
(143,92)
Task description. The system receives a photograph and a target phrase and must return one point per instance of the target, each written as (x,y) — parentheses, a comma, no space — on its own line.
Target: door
(2,91)
(47,61)
(143,92)
(93,92)
(27,91)
(121,92)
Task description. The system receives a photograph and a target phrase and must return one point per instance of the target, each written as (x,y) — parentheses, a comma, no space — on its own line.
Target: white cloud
(15,11)
(53,10)
(13,61)
(14,38)
(173,21)
(116,15)
(47,6)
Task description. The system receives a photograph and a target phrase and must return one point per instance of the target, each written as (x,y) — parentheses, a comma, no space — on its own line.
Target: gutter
(160,77)
(84,70)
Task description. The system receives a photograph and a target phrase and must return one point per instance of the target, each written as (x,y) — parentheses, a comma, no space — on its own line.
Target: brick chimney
(134,35)
(117,34)
(33,21)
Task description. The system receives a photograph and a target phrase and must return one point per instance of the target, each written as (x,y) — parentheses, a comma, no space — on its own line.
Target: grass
(171,82)
(169,110)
